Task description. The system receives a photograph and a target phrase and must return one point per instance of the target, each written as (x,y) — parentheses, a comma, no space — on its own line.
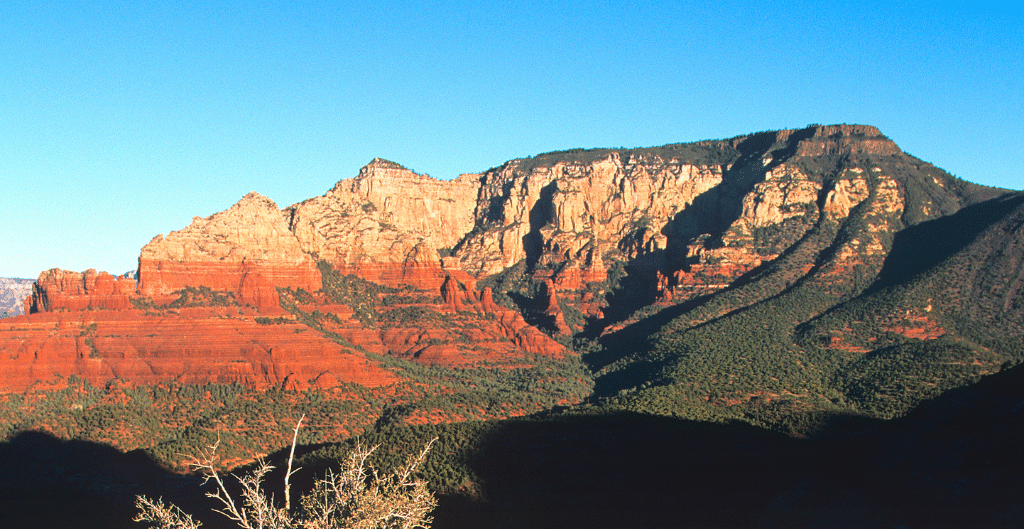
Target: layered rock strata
(190,345)
(61,290)
(387,224)
(247,250)
(677,222)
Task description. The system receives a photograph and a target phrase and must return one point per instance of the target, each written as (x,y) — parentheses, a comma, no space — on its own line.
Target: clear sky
(123,120)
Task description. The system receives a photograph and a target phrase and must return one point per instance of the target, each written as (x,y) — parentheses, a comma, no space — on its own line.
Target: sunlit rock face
(247,250)
(387,224)
(686,219)
(193,345)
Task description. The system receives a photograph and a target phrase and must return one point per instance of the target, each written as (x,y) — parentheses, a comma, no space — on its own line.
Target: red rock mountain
(457,272)
(246,250)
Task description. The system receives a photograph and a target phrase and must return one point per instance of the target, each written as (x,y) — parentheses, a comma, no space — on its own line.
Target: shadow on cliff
(713,211)
(541,214)
(977,232)
(919,248)
(705,220)
(631,342)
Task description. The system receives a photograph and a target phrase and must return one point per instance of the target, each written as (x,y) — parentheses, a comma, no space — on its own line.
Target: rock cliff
(247,250)
(387,224)
(687,218)
(193,345)
(569,242)
(60,290)
(13,293)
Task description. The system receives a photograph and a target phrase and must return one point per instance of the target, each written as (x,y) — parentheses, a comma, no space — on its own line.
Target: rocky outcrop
(704,214)
(247,250)
(189,345)
(572,231)
(387,224)
(61,290)
(833,140)
(462,298)
(572,213)
(554,311)
(13,296)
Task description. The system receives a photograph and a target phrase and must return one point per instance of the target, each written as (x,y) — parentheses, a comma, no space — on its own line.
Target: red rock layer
(511,324)
(253,283)
(192,345)
(422,270)
(60,290)
(573,279)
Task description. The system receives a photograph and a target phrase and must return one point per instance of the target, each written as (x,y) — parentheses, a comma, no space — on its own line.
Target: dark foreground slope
(952,462)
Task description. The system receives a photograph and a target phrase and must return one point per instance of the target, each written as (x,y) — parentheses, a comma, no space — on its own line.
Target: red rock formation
(61,290)
(455,294)
(554,310)
(246,250)
(574,279)
(421,269)
(392,226)
(193,345)
(487,301)
(665,286)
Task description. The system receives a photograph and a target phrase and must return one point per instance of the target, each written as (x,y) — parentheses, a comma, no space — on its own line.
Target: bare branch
(356,497)
(165,516)
(288,474)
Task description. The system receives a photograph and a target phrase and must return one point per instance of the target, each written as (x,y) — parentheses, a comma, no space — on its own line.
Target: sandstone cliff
(689,216)
(193,345)
(247,250)
(565,242)
(387,224)
(61,290)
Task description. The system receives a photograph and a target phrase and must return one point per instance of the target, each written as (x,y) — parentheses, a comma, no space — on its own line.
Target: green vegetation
(512,282)
(202,297)
(411,316)
(280,320)
(361,295)
(700,153)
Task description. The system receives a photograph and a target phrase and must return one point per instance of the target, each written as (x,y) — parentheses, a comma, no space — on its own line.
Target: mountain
(12,296)
(784,282)
(757,251)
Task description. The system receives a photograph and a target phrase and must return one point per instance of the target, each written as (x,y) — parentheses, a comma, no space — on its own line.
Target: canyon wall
(387,224)
(562,240)
(247,250)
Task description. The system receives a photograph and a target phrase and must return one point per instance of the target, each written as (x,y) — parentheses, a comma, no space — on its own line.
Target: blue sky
(123,120)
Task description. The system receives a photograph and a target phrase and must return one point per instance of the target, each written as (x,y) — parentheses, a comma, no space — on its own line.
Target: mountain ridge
(770,278)
(13,292)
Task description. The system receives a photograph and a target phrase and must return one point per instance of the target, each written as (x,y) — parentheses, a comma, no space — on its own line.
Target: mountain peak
(384,164)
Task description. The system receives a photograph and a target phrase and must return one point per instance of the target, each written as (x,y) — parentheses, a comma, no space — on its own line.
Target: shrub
(355,497)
